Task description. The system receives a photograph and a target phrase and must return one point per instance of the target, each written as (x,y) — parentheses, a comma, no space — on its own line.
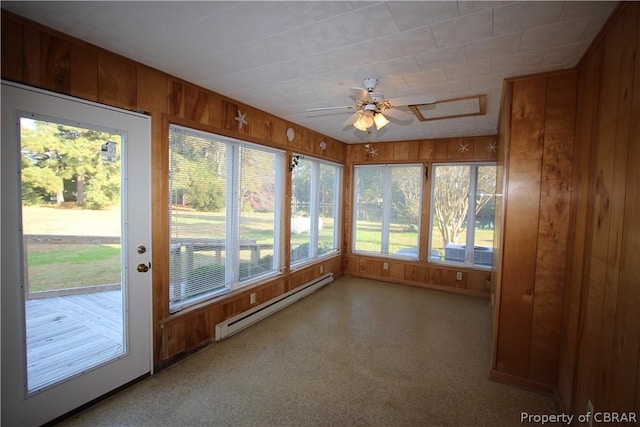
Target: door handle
(143,268)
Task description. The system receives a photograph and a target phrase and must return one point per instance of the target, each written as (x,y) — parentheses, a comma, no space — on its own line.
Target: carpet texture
(355,353)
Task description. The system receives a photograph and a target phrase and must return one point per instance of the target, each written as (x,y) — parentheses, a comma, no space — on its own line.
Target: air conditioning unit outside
(481,255)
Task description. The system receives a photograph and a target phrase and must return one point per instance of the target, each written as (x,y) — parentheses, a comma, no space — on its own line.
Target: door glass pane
(73,275)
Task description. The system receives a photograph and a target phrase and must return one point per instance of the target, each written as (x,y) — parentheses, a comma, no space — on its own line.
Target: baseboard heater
(248,318)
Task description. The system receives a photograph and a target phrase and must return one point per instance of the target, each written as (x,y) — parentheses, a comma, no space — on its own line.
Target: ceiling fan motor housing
(370,84)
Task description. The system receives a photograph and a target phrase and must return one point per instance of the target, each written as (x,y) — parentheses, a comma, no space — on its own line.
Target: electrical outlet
(590,413)
(252,298)
(385,266)
(321,269)
(459,275)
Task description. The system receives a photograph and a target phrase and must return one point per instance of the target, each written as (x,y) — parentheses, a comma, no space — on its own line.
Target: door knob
(143,268)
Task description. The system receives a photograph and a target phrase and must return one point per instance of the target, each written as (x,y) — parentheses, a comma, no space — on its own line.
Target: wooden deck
(68,335)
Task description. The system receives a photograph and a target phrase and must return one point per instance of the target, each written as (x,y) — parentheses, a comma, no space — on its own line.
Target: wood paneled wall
(37,56)
(537,163)
(418,273)
(600,352)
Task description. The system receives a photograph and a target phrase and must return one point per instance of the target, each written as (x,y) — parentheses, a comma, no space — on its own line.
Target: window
(315,192)
(387,200)
(224,212)
(462,213)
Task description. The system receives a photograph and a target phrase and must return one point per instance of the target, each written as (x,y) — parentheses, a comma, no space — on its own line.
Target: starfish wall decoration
(370,151)
(241,119)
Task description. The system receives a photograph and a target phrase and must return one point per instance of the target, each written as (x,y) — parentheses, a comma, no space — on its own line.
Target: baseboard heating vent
(248,318)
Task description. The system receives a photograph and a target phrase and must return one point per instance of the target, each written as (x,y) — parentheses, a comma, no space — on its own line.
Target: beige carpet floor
(355,353)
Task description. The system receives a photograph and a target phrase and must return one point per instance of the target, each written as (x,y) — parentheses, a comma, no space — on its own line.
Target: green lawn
(56,266)
(368,238)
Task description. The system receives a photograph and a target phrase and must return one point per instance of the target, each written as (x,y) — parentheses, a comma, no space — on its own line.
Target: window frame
(232,281)
(314,210)
(471,216)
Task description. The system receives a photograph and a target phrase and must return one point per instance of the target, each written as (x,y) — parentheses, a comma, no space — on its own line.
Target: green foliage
(302,251)
(215,273)
(211,273)
(250,269)
(206,195)
(56,158)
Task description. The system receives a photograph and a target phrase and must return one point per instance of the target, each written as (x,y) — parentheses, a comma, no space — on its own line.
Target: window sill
(310,262)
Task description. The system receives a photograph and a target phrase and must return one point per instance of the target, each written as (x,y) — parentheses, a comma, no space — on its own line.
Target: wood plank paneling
(117,82)
(601,360)
(520,226)
(626,342)
(584,146)
(55,58)
(196,104)
(175,98)
(612,189)
(504,140)
(12,48)
(553,227)
(152,93)
(83,74)
(474,282)
(32,55)
(594,308)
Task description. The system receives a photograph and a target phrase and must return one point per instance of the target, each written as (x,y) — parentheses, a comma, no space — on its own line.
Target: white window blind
(223,214)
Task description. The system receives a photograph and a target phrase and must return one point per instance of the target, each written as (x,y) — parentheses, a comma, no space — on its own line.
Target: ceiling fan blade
(398,114)
(413,100)
(349,107)
(360,93)
(351,120)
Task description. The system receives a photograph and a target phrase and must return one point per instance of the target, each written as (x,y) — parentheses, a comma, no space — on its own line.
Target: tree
(407,188)
(257,192)
(55,154)
(451,197)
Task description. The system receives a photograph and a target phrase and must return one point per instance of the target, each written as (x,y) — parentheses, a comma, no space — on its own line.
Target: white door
(76,251)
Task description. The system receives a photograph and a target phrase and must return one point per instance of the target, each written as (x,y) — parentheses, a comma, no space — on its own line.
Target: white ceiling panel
(285,57)
(464,29)
(412,14)
(524,15)
(553,35)
(494,46)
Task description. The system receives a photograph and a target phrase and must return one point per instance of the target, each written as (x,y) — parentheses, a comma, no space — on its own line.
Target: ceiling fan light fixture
(361,123)
(380,121)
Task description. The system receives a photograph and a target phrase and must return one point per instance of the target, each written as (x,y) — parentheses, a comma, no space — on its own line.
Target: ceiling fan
(371,107)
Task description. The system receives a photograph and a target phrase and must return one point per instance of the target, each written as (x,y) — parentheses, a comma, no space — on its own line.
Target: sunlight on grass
(52,267)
